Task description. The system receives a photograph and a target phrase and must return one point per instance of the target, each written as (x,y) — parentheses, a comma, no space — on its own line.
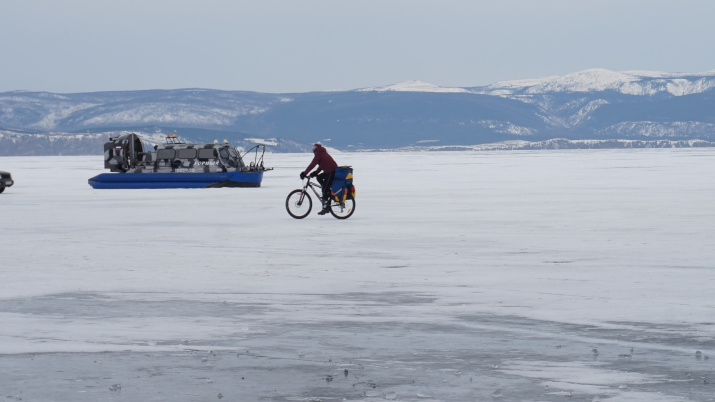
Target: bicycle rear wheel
(343,210)
(298,204)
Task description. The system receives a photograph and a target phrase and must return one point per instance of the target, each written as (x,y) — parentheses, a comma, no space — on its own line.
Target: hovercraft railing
(257,163)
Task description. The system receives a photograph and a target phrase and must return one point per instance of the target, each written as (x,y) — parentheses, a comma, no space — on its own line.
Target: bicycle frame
(313,186)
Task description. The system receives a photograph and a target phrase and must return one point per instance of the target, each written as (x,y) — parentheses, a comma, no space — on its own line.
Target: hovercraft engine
(122,153)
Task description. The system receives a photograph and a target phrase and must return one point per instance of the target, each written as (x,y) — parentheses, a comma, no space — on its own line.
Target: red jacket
(324,161)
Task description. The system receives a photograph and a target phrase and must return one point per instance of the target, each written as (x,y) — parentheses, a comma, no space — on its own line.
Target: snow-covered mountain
(591,105)
(598,80)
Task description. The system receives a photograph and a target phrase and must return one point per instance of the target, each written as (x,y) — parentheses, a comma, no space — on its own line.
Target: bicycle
(299,203)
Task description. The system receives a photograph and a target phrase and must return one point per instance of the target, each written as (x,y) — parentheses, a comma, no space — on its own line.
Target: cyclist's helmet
(315,146)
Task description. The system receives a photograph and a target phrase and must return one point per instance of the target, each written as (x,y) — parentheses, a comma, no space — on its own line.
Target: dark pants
(326,180)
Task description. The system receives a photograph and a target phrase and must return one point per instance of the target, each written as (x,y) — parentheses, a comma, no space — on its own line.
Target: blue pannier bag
(343,188)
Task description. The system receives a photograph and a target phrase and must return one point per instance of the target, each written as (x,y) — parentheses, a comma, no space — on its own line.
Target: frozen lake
(514,276)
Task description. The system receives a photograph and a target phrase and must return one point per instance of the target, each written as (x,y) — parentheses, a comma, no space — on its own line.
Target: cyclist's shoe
(326,209)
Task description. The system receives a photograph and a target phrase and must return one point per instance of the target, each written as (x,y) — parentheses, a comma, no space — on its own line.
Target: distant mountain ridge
(598,80)
(591,105)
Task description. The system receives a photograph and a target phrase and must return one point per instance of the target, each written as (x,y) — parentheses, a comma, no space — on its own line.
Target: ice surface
(461,276)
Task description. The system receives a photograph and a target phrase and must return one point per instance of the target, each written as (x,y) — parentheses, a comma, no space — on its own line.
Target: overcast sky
(313,45)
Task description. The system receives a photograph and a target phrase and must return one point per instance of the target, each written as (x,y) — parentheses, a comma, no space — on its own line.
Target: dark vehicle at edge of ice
(5,180)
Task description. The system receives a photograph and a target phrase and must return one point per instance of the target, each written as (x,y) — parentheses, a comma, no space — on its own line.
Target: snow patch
(506,127)
(415,86)
(264,141)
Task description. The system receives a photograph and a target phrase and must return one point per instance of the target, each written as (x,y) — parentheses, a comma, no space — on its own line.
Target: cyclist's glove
(302,175)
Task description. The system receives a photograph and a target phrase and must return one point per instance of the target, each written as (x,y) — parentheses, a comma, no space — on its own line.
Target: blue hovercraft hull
(176,180)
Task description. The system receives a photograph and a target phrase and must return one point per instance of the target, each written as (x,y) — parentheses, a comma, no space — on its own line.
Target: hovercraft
(135,163)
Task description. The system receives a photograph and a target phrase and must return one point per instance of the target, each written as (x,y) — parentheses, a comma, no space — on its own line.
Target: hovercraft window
(223,153)
(207,153)
(165,154)
(187,153)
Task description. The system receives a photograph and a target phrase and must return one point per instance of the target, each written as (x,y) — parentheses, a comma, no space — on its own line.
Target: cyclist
(327,164)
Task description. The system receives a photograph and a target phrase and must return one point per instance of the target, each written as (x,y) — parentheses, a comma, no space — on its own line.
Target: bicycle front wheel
(299,204)
(343,210)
